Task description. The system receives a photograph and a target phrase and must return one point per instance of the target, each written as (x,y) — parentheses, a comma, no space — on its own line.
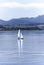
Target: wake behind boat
(20,35)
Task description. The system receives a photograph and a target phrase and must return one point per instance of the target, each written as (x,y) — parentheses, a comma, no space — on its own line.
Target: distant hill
(24,21)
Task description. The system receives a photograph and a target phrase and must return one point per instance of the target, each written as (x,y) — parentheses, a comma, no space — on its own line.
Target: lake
(28,51)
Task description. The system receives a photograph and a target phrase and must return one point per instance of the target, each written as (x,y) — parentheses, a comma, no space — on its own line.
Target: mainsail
(19,34)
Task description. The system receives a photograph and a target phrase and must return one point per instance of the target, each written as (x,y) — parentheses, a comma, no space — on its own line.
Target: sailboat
(20,35)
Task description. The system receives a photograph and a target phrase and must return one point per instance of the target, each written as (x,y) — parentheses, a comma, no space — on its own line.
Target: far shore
(12,28)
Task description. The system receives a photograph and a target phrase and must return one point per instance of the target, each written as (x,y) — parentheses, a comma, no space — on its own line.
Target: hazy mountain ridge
(24,21)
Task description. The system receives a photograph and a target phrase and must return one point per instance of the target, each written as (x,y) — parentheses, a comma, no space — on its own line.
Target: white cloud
(19,5)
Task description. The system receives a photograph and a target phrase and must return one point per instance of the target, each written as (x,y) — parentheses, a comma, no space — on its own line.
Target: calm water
(29,51)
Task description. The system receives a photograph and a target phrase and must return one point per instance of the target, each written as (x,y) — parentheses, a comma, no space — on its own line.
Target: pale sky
(10,9)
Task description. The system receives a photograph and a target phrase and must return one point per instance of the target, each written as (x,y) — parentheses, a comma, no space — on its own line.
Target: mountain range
(24,21)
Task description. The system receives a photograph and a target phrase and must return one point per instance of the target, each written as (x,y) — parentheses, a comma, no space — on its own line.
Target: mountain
(24,21)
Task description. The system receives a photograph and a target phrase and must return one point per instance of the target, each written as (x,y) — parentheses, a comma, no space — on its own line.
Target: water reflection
(20,46)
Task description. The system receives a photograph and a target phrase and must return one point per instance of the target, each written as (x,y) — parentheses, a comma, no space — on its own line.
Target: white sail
(21,36)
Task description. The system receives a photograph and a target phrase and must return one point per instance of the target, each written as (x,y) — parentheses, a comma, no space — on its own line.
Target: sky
(10,9)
